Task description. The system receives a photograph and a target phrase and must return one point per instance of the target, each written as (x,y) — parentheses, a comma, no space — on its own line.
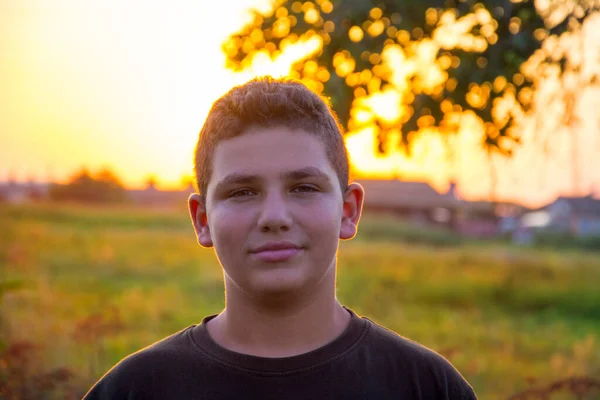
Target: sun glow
(128,85)
(118,84)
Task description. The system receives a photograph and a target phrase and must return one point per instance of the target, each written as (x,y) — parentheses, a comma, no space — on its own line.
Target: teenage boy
(274,201)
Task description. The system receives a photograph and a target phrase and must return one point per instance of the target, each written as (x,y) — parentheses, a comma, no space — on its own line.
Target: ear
(200,219)
(353,203)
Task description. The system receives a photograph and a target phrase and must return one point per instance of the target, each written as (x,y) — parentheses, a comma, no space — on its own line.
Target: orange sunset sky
(128,84)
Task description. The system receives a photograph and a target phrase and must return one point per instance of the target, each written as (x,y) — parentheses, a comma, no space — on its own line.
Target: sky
(127,85)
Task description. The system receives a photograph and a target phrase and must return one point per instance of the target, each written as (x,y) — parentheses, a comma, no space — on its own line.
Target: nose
(275,214)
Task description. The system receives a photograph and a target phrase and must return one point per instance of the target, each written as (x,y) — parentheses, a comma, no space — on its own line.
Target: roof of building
(586,205)
(398,194)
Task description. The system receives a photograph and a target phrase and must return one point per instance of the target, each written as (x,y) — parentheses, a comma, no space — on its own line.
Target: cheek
(324,230)
(324,219)
(229,227)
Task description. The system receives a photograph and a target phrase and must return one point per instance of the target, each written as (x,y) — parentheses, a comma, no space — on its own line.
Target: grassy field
(83,287)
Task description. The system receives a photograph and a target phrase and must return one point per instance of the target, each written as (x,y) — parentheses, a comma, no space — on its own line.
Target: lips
(276,251)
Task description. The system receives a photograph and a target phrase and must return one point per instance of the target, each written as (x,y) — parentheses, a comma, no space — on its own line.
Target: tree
(104,187)
(433,61)
(188,183)
(150,182)
(567,62)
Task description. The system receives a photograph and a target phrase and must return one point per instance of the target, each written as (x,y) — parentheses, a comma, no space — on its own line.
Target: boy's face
(274,211)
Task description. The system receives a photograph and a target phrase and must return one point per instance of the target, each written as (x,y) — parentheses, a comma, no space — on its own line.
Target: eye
(241,193)
(305,189)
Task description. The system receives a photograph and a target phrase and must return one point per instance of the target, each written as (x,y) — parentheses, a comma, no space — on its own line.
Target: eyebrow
(306,172)
(298,174)
(236,179)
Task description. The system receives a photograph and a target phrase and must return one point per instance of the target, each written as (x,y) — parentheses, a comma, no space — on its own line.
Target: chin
(279,283)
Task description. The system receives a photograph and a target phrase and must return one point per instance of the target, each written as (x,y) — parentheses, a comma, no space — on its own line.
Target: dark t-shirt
(366,361)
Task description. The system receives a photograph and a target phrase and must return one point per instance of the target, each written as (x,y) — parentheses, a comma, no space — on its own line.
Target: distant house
(578,216)
(477,219)
(19,193)
(416,201)
(421,204)
(487,218)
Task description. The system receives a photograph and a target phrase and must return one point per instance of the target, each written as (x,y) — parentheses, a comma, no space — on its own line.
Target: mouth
(276,251)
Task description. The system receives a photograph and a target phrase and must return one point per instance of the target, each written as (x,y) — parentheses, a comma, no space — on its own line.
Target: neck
(280,325)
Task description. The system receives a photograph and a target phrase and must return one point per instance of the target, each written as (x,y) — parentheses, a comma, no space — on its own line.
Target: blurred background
(473,126)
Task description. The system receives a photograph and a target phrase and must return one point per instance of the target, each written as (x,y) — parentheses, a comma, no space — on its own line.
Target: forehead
(269,152)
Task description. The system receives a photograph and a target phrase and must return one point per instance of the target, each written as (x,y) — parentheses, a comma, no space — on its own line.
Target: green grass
(505,316)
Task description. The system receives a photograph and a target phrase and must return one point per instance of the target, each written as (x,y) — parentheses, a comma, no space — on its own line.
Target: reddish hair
(267,102)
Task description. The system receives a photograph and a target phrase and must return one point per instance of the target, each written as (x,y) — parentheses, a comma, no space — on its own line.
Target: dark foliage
(104,187)
(476,76)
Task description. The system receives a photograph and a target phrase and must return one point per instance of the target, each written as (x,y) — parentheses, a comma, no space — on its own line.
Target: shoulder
(136,374)
(424,367)
(383,338)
